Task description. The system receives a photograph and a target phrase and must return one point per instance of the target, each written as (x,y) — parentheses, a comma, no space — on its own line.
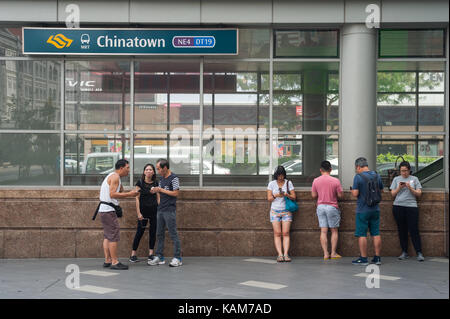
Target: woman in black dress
(146,207)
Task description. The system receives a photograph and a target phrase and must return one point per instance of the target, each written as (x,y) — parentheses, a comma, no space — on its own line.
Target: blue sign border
(44,41)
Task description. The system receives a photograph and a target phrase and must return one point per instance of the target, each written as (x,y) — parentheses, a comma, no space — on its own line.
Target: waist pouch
(117,209)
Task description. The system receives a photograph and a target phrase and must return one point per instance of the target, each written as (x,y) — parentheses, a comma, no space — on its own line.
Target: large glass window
(305,96)
(306,43)
(411,100)
(90,157)
(182,149)
(167,94)
(301,156)
(29,159)
(30,94)
(236,107)
(108,117)
(412,43)
(253,43)
(410,107)
(11,42)
(97,95)
(424,153)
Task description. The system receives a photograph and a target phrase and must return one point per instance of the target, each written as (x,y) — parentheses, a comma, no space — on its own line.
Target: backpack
(373,194)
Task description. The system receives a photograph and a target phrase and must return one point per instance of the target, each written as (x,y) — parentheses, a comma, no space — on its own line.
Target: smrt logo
(59,41)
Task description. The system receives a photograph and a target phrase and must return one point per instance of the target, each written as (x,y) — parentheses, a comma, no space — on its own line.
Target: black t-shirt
(167,202)
(147,200)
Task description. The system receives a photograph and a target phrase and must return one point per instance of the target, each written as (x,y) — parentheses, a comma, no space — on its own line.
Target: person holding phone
(280,217)
(406,189)
(146,209)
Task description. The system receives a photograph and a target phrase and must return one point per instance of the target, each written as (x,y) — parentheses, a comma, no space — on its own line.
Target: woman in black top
(146,207)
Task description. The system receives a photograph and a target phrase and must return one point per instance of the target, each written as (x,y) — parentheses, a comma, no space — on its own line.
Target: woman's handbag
(291,205)
(392,173)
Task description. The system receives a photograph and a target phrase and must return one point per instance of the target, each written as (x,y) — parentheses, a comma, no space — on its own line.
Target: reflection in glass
(30,95)
(302,163)
(411,43)
(97,95)
(306,97)
(431,112)
(93,156)
(29,159)
(233,96)
(396,81)
(424,153)
(410,100)
(11,42)
(253,43)
(239,160)
(166,83)
(306,43)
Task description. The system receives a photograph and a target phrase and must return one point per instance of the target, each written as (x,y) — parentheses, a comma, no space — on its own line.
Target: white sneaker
(420,257)
(156,261)
(175,262)
(403,256)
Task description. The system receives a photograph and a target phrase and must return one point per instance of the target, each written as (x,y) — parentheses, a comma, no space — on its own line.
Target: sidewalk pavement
(225,278)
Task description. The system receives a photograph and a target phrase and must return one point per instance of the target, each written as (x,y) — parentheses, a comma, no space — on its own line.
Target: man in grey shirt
(406,189)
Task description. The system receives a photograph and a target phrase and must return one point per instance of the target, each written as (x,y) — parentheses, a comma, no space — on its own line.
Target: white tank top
(105,195)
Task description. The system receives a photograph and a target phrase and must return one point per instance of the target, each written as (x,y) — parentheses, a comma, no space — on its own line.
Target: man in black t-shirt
(168,190)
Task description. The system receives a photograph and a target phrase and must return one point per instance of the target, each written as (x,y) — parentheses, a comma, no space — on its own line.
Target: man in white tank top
(111,190)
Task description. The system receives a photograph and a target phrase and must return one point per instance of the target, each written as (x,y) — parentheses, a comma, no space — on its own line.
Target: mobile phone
(402,183)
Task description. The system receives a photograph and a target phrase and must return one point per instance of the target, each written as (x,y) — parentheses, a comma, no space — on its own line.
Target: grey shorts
(329,216)
(111,229)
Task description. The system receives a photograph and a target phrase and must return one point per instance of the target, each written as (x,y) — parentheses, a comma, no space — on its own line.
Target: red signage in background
(298,110)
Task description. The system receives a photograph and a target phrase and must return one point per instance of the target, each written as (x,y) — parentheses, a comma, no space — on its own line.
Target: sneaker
(420,257)
(134,259)
(376,260)
(403,256)
(106,265)
(175,262)
(156,261)
(119,266)
(150,257)
(360,261)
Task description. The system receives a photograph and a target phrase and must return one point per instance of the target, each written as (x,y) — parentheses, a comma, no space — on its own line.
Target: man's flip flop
(336,257)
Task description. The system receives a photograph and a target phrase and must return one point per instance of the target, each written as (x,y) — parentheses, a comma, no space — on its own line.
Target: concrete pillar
(358,99)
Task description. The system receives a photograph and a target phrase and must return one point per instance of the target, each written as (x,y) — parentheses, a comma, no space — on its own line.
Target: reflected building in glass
(283,98)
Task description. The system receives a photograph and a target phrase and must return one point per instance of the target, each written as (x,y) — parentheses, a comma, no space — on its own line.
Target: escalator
(432,175)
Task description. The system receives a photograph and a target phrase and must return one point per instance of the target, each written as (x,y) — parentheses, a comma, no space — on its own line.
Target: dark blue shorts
(367,220)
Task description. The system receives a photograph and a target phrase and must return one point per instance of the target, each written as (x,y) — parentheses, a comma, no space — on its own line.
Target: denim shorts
(280,216)
(329,216)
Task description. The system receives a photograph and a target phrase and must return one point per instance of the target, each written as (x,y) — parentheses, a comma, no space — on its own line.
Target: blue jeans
(168,218)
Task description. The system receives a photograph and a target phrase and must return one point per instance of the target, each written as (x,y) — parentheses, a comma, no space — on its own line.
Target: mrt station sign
(130,41)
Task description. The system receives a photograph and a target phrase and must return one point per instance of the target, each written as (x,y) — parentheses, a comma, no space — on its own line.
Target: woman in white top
(281,218)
